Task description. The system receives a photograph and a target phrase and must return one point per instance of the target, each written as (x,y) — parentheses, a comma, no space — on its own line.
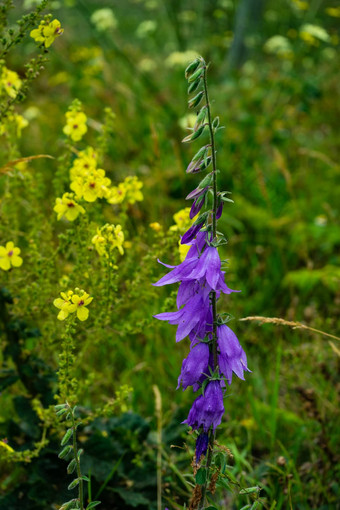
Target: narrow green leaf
(80,452)
(201,476)
(92,504)
(66,437)
(85,478)
(74,483)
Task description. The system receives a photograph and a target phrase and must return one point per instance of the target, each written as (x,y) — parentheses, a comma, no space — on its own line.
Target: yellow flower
(132,188)
(21,123)
(182,220)
(183,250)
(108,238)
(47,32)
(75,125)
(67,207)
(79,303)
(9,256)
(71,303)
(116,194)
(63,304)
(91,186)
(10,81)
(84,163)
(157,227)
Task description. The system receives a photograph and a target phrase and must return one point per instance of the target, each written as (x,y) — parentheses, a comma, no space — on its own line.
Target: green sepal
(80,452)
(201,476)
(249,490)
(71,467)
(74,484)
(86,478)
(215,122)
(92,504)
(195,101)
(192,67)
(66,437)
(208,179)
(193,86)
(194,135)
(202,218)
(65,451)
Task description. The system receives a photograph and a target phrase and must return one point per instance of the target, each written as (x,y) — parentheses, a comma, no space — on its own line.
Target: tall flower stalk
(215,352)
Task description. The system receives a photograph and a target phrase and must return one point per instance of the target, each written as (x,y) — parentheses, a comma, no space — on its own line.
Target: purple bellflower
(232,357)
(208,409)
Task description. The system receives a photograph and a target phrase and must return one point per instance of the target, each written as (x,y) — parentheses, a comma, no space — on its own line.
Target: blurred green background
(274,83)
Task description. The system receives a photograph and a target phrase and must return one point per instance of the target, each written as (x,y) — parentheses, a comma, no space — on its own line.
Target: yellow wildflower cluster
(182,220)
(9,256)
(75,125)
(67,207)
(9,82)
(108,238)
(88,181)
(47,32)
(13,123)
(128,191)
(73,302)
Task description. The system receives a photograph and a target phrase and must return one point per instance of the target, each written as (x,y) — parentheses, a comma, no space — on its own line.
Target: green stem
(213,294)
(75,451)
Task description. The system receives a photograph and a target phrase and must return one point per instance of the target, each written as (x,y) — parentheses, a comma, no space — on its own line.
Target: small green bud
(192,67)
(208,179)
(66,437)
(195,101)
(72,466)
(195,76)
(193,136)
(193,86)
(73,484)
(65,451)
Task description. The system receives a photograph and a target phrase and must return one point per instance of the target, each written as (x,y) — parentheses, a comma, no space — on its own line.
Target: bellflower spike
(193,366)
(232,357)
(207,410)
